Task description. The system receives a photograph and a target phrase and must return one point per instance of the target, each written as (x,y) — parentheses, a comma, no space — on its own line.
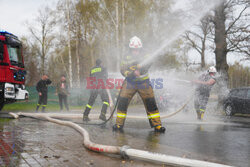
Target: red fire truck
(12,73)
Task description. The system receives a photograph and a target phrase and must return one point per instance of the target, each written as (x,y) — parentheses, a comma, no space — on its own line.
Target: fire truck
(12,72)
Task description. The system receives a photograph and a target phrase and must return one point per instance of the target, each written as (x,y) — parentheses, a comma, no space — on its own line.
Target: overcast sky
(14,14)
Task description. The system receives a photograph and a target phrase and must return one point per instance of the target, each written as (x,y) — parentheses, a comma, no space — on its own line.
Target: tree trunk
(220,42)
(43,60)
(78,63)
(203,54)
(117,35)
(221,51)
(69,47)
(92,56)
(64,66)
(43,52)
(123,27)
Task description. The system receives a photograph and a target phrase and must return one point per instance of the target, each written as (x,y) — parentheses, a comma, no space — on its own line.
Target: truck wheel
(1,106)
(1,101)
(229,110)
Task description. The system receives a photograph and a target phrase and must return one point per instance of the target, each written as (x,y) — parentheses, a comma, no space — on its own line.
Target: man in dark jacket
(204,85)
(98,73)
(62,91)
(42,89)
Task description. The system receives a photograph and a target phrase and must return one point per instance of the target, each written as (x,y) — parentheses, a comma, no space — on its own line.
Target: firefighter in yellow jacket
(137,80)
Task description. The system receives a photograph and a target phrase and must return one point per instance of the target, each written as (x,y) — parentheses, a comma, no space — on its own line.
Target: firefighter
(42,89)
(97,73)
(137,80)
(204,85)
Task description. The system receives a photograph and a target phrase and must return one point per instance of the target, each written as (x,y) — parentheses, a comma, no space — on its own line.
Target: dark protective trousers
(63,99)
(200,101)
(42,101)
(93,95)
(146,93)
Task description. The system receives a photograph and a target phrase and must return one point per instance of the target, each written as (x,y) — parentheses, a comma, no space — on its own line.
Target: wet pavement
(220,139)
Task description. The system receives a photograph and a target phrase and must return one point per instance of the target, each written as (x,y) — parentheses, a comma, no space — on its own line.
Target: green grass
(32,107)
(4,120)
(77,100)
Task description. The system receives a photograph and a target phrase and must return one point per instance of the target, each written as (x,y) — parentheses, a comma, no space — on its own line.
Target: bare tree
(232,32)
(30,53)
(42,31)
(230,36)
(198,41)
(238,30)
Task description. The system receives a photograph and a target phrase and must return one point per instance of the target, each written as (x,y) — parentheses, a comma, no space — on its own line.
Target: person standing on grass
(42,89)
(62,92)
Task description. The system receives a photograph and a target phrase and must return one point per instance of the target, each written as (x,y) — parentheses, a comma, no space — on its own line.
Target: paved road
(29,142)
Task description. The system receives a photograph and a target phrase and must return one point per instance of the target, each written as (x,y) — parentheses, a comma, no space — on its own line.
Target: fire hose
(137,117)
(124,151)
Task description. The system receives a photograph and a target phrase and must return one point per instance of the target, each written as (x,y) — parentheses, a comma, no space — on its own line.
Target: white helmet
(135,43)
(212,69)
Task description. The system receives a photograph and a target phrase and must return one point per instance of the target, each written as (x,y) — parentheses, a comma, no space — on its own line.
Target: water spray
(183,80)
(196,11)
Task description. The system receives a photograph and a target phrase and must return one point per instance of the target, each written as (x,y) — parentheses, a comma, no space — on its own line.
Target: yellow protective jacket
(129,64)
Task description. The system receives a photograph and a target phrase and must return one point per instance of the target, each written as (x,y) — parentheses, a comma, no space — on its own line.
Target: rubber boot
(118,128)
(160,129)
(102,117)
(43,109)
(200,115)
(85,114)
(103,112)
(85,118)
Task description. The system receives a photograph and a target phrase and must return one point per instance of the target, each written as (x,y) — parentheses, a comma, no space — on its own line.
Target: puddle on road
(10,144)
(40,143)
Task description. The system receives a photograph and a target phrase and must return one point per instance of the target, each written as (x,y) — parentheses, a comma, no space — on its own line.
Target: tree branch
(236,19)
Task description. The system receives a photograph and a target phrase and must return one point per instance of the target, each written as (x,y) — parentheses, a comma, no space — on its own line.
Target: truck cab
(12,72)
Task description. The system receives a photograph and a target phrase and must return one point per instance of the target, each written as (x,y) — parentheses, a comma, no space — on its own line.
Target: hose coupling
(123,151)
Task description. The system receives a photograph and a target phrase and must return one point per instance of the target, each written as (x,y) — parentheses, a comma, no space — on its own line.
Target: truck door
(2,72)
(2,75)
(1,50)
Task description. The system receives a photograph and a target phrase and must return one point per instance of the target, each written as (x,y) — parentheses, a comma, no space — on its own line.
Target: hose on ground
(124,151)
(87,143)
(76,116)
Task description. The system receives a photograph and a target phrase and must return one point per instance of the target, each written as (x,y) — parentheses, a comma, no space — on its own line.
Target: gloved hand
(137,73)
(135,70)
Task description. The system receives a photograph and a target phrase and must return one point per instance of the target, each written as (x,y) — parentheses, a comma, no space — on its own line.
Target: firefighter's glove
(133,71)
